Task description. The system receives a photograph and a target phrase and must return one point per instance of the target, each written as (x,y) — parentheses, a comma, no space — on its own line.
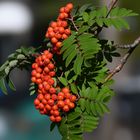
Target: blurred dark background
(24,23)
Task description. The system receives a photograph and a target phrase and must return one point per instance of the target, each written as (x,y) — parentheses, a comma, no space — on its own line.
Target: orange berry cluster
(50,100)
(59,31)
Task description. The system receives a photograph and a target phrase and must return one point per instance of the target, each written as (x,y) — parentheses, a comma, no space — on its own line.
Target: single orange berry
(68,31)
(52,118)
(58,44)
(65,90)
(53,24)
(69,6)
(36,102)
(40,97)
(47,96)
(60,104)
(58,118)
(33,79)
(48,107)
(54,40)
(71,105)
(62,9)
(56,113)
(64,36)
(66,108)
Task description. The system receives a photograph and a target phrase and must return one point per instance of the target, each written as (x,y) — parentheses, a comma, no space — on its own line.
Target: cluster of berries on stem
(59,30)
(51,99)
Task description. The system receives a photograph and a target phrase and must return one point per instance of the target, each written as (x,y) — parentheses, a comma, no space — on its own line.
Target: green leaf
(82,102)
(63,81)
(13,63)
(78,65)
(21,56)
(83,29)
(4,65)
(74,88)
(68,42)
(7,70)
(93,14)
(52,126)
(85,16)
(70,58)
(73,116)
(32,92)
(3,86)
(69,50)
(10,84)
(84,8)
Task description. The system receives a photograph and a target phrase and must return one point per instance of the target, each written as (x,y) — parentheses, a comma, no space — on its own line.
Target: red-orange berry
(62,9)
(73,98)
(51,81)
(52,118)
(44,101)
(56,113)
(39,70)
(54,40)
(38,81)
(41,106)
(40,97)
(47,96)
(54,97)
(60,97)
(51,66)
(65,90)
(67,10)
(69,6)
(52,90)
(60,104)
(48,107)
(33,73)
(61,30)
(71,105)
(47,87)
(55,107)
(67,31)
(51,102)
(53,24)
(36,102)
(33,79)
(50,56)
(52,73)
(66,108)
(58,118)
(64,36)
(67,101)
(58,44)
(61,16)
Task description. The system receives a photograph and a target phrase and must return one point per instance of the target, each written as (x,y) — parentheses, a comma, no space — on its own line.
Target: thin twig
(72,20)
(124,59)
(137,41)
(111,6)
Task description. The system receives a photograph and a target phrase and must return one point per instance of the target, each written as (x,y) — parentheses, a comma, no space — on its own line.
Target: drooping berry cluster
(59,31)
(50,100)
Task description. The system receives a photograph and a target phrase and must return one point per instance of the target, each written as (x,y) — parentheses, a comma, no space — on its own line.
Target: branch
(72,20)
(111,6)
(133,45)
(124,59)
